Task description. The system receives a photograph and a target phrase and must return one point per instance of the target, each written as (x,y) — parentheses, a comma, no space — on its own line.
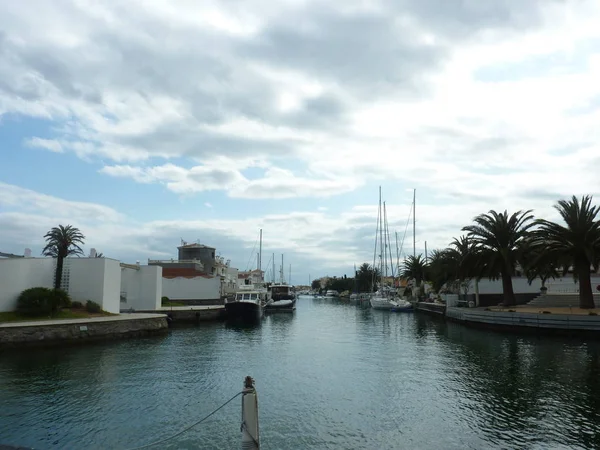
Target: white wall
(198,288)
(95,279)
(141,288)
(18,274)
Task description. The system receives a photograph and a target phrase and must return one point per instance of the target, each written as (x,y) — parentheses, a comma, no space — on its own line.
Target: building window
(213,255)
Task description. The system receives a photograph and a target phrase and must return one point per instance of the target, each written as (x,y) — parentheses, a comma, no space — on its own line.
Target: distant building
(197,275)
(250,277)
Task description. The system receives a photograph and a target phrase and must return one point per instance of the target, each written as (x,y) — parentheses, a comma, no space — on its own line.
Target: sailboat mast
(414,222)
(388,242)
(260,253)
(273,268)
(397,256)
(290,276)
(385,246)
(380,239)
(281,272)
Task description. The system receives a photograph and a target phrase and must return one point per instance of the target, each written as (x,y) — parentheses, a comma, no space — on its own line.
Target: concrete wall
(18,274)
(96,279)
(141,289)
(198,288)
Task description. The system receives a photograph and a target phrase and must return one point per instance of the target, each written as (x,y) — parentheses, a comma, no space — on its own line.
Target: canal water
(330,376)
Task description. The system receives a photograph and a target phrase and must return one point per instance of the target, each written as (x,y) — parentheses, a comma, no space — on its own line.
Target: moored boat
(248,305)
(280,298)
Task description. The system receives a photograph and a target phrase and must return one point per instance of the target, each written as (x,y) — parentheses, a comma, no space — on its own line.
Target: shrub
(62,299)
(37,301)
(164,299)
(41,301)
(92,307)
(76,305)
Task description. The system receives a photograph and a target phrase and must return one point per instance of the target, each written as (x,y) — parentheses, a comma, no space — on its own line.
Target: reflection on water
(330,375)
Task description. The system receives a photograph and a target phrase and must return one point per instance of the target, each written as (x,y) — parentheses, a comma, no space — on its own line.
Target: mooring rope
(190,427)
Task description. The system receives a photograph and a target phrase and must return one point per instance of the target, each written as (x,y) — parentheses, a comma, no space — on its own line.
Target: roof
(175,272)
(195,245)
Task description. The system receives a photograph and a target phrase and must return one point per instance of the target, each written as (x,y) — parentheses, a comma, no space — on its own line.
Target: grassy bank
(13,316)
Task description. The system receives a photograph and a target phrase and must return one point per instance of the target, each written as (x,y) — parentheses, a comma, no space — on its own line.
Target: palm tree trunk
(58,273)
(507,289)
(586,296)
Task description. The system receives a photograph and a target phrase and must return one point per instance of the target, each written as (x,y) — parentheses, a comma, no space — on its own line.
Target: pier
(189,314)
(52,332)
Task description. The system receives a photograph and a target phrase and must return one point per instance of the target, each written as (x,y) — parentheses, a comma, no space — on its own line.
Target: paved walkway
(540,309)
(192,307)
(37,323)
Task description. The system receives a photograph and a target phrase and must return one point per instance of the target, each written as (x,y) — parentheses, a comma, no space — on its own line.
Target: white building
(97,279)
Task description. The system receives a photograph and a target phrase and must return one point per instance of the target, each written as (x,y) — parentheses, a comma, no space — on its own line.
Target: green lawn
(14,316)
(170,303)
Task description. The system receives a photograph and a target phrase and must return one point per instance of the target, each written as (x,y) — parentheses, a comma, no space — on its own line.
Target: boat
(383,298)
(332,293)
(403,305)
(280,298)
(249,300)
(248,305)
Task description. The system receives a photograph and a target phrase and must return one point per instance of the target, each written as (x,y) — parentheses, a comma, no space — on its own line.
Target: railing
(176,261)
(563,288)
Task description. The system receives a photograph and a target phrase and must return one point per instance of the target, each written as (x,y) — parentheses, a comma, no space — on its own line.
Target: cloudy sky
(144,122)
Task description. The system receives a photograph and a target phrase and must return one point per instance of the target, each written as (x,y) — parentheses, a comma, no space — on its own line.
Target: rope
(190,427)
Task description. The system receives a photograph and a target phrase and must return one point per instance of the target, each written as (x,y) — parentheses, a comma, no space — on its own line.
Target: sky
(144,123)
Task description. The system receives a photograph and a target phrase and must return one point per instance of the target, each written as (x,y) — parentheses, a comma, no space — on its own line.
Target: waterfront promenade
(49,332)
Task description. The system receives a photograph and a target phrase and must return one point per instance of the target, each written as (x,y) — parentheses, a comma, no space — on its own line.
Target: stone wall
(44,333)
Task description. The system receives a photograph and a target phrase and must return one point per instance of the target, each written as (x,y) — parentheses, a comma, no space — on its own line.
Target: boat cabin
(281,292)
(248,297)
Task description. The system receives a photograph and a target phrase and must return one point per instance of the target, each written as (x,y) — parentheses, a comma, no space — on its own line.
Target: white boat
(280,298)
(332,293)
(385,297)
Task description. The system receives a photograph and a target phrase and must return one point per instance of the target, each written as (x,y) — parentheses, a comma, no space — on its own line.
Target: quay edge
(58,332)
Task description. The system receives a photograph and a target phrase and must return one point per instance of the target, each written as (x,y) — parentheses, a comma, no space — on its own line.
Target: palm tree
(463,260)
(366,277)
(414,267)
(537,262)
(499,240)
(61,242)
(576,245)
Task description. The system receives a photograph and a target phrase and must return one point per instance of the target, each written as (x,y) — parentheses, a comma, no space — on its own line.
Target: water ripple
(331,376)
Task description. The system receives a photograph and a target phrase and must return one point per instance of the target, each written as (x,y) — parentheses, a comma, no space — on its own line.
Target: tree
(499,240)
(414,267)
(100,255)
(440,269)
(316,284)
(62,242)
(537,262)
(577,244)
(366,278)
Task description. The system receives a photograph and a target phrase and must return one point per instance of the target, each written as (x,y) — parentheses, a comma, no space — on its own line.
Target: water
(331,376)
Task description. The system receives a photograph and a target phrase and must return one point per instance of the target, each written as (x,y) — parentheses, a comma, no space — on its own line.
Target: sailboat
(281,298)
(384,297)
(249,301)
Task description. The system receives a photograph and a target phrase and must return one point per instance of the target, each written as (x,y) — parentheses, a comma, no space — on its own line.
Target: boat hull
(281,306)
(246,311)
(383,303)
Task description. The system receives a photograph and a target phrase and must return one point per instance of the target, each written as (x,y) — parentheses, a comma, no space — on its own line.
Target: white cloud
(208,204)
(48,144)
(315,242)
(478,105)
